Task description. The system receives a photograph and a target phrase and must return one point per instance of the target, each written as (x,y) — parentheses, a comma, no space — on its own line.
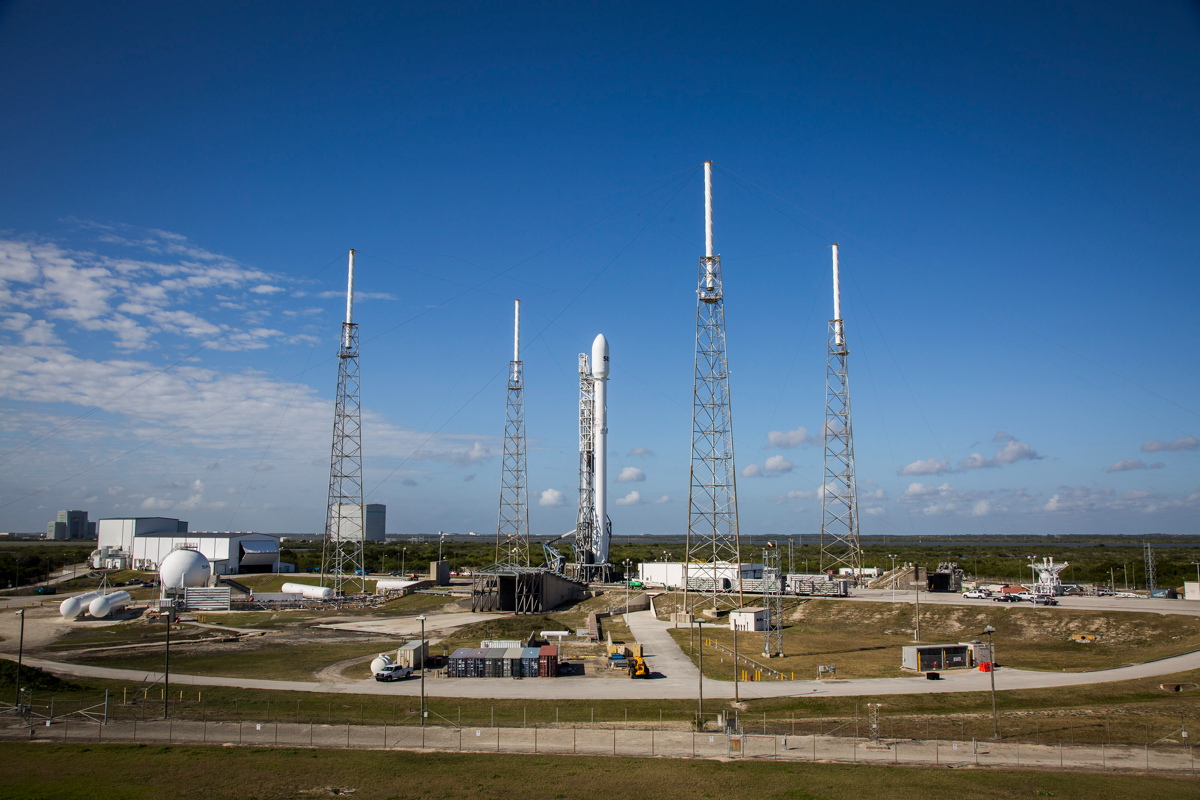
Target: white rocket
(600,443)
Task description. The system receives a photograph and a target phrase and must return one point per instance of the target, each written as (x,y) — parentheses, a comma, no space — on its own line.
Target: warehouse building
(143,542)
(700,576)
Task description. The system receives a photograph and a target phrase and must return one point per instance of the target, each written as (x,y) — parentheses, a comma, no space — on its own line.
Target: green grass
(267,660)
(132,772)
(864,640)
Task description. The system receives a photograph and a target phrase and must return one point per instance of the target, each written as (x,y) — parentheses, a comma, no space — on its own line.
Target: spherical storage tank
(379,662)
(184,568)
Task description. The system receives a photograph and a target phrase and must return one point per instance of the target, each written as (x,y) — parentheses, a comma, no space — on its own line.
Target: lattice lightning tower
(512,532)
(713,546)
(342,548)
(840,545)
(773,601)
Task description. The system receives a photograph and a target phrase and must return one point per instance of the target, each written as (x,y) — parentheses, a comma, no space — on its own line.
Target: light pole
(167,666)
(989,630)
(441,538)
(403,561)
(917,594)
(736,696)
(700,706)
(892,556)
(20,656)
(627,590)
(1197,564)
(423,656)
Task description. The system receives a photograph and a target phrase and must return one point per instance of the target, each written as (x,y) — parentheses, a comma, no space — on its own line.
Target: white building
(374,521)
(748,619)
(143,542)
(670,574)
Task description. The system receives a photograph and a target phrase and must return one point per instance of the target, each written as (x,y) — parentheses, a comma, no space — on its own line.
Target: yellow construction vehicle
(638,668)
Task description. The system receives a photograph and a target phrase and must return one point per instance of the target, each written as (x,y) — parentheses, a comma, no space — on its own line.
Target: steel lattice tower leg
(712,537)
(773,600)
(342,552)
(512,532)
(840,545)
(585,521)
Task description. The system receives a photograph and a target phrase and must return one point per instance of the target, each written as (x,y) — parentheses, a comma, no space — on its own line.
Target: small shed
(413,654)
(748,619)
(938,657)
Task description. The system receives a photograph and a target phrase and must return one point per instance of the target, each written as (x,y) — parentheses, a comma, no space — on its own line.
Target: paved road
(679,679)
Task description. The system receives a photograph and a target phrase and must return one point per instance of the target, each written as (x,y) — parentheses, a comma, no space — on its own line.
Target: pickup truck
(977,594)
(393,672)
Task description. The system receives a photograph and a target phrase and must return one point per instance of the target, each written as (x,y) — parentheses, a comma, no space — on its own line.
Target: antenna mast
(342,548)
(512,532)
(840,545)
(712,564)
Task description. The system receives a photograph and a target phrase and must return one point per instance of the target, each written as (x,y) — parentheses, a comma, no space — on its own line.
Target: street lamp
(403,561)
(700,706)
(20,656)
(989,630)
(1197,563)
(892,556)
(424,654)
(627,590)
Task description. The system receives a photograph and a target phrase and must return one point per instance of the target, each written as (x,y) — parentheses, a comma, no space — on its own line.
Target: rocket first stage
(600,443)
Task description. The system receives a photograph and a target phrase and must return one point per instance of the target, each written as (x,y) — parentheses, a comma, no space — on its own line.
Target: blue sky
(1014,189)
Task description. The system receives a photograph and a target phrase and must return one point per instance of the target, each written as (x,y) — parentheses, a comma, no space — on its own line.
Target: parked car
(1105,593)
(1025,595)
(393,672)
(1006,598)
(1043,600)
(977,594)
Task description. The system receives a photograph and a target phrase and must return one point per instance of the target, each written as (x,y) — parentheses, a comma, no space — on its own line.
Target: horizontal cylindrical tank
(72,607)
(308,590)
(106,604)
(379,662)
(184,568)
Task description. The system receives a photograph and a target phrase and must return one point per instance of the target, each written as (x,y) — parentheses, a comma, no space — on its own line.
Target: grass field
(291,662)
(863,640)
(131,772)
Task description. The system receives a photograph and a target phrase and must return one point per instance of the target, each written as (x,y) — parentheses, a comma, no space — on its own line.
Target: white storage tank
(379,662)
(308,590)
(72,607)
(106,604)
(184,568)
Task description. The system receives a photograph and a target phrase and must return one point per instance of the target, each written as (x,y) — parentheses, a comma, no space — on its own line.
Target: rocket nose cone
(600,357)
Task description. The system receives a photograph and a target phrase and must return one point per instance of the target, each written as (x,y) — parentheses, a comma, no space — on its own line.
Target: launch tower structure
(840,546)
(712,564)
(512,531)
(773,601)
(593,528)
(342,547)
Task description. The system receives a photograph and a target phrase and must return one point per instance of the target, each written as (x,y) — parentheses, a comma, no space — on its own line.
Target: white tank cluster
(97,603)
(184,569)
(308,591)
(72,607)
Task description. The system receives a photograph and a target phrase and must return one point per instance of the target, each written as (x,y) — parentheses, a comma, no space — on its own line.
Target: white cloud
(551,498)
(640,452)
(266,288)
(789,439)
(752,471)
(1012,452)
(1127,464)
(928,466)
(634,498)
(796,494)
(631,475)
(777,465)
(666,498)
(1184,443)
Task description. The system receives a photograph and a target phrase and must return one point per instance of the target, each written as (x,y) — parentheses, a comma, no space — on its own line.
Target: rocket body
(600,442)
